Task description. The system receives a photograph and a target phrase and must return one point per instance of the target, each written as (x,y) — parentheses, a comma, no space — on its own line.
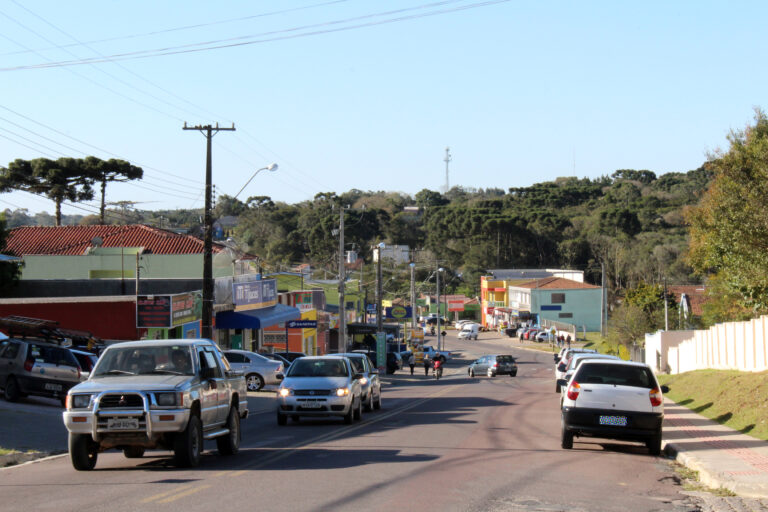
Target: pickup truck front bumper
(128,415)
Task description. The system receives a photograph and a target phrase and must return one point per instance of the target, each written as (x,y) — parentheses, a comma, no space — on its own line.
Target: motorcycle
(432,330)
(438,369)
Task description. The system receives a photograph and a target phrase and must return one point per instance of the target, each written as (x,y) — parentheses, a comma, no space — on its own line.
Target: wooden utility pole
(207,321)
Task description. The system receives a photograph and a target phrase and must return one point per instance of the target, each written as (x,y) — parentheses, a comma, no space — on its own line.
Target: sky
(361,94)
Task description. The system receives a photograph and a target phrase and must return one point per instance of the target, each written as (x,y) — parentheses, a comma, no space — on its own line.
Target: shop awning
(256,318)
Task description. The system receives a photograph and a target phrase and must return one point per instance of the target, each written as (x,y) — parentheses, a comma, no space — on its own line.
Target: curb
(713,478)
(16,458)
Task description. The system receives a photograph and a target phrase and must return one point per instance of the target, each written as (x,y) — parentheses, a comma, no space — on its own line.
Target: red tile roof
(77,240)
(696,294)
(555,283)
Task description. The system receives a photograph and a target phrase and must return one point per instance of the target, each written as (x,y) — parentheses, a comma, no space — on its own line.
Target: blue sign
(301,324)
(551,308)
(398,312)
(371,308)
(254,294)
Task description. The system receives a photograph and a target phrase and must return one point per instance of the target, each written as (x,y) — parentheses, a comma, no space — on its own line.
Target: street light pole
(439,337)
(379,324)
(342,277)
(270,167)
(207,320)
(413,299)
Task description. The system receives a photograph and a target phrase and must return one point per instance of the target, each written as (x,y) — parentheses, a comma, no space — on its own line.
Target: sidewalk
(723,457)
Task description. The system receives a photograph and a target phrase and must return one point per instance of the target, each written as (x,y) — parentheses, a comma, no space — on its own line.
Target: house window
(558,298)
(565,315)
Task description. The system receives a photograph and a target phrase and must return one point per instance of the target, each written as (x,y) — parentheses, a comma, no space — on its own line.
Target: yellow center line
(164,494)
(185,493)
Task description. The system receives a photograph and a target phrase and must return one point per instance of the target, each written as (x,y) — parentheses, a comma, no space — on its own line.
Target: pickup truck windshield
(170,359)
(304,367)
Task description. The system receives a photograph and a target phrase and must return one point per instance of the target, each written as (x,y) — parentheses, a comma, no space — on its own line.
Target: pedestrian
(426,366)
(411,362)
(568,341)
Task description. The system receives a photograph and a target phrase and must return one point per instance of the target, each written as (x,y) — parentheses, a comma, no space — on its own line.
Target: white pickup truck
(169,394)
(429,353)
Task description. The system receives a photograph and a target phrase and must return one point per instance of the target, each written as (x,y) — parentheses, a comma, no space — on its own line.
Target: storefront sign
(254,294)
(304,301)
(398,312)
(153,311)
(186,307)
(301,324)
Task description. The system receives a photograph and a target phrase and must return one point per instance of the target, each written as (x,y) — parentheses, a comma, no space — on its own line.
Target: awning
(256,318)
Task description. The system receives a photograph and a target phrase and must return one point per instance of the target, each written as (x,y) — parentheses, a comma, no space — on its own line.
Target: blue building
(559,299)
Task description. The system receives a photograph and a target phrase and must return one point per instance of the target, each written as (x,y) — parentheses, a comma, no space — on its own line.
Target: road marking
(185,493)
(164,494)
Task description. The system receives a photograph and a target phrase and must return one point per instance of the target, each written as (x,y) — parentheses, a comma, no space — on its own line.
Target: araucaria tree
(102,171)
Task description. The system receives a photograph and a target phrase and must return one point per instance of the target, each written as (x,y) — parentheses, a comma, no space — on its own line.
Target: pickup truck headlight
(80,401)
(341,392)
(168,399)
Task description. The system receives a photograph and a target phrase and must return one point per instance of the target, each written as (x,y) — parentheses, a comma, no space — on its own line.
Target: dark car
(291,356)
(277,357)
(394,361)
(493,365)
(39,368)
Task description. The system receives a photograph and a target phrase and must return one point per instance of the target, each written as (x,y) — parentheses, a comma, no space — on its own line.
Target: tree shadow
(685,402)
(702,407)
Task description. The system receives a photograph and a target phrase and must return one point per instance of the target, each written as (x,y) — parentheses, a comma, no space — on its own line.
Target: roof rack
(47,330)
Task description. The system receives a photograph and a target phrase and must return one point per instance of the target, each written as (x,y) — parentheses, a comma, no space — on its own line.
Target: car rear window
(616,374)
(505,359)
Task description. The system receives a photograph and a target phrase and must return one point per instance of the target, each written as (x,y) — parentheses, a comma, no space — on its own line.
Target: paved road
(459,444)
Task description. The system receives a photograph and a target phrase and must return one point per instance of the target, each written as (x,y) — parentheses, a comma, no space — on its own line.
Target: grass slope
(736,399)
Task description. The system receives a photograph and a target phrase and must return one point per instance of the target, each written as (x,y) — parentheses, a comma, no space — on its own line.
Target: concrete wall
(657,347)
(727,346)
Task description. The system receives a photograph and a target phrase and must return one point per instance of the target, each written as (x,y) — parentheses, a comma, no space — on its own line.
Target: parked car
(613,400)
(320,386)
(566,359)
(258,370)
(85,360)
(542,336)
(38,368)
(469,331)
(493,365)
(291,356)
(575,360)
(559,355)
(459,324)
(277,357)
(370,383)
(526,335)
(394,361)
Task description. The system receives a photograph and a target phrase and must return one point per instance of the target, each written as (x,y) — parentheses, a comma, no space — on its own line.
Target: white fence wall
(727,346)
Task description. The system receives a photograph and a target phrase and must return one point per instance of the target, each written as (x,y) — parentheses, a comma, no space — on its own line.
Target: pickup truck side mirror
(207,373)
(357,376)
(85,375)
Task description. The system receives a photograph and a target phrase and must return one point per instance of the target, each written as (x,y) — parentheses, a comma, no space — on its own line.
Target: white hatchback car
(320,386)
(613,400)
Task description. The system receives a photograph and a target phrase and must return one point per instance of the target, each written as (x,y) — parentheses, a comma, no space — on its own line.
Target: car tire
(566,438)
(133,452)
(282,419)
(654,444)
(83,451)
(471,373)
(254,381)
(377,402)
(188,445)
(12,393)
(513,374)
(229,444)
(557,388)
(295,418)
(349,415)
(369,403)
(358,415)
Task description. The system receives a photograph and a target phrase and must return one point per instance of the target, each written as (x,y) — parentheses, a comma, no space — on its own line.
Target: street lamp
(441,269)
(270,167)
(413,298)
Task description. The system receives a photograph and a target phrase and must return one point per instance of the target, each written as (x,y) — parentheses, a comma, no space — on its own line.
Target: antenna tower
(447,160)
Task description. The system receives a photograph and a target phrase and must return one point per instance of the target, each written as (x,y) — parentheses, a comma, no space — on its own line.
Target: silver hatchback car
(320,386)
(370,383)
(259,370)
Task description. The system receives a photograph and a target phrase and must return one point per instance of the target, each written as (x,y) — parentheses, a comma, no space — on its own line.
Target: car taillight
(656,397)
(495,365)
(28,364)
(279,369)
(573,391)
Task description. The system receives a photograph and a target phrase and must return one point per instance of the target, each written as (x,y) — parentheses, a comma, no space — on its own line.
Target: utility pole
(447,160)
(413,298)
(602,301)
(138,268)
(207,321)
(342,277)
(439,337)
(379,323)
(666,309)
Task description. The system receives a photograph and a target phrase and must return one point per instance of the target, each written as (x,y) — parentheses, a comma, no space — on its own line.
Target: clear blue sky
(367,95)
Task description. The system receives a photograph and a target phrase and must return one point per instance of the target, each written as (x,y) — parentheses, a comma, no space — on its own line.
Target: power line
(264,37)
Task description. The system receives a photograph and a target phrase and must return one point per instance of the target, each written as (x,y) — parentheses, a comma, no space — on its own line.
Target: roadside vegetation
(736,399)
(689,480)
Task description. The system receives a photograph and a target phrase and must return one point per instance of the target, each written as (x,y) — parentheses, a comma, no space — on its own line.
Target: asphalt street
(457,444)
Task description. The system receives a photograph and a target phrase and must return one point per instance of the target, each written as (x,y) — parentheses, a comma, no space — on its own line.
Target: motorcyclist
(437,363)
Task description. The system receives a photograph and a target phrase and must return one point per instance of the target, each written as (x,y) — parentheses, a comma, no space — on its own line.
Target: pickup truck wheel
(12,393)
(133,452)
(83,451)
(254,381)
(229,444)
(188,445)
(282,419)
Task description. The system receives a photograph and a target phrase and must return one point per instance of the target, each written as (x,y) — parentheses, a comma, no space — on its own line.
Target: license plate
(53,387)
(312,405)
(122,423)
(617,421)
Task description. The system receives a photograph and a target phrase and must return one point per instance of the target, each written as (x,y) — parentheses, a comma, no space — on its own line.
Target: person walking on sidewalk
(427,364)
(411,362)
